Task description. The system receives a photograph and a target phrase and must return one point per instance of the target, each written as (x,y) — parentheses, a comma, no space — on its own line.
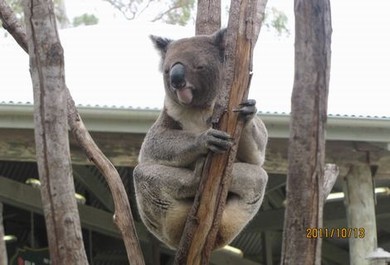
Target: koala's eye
(200,67)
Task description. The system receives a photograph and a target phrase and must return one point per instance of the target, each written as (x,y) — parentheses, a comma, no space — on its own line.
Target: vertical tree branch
(208,17)
(306,154)
(51,135)
(203,222)
(124,219)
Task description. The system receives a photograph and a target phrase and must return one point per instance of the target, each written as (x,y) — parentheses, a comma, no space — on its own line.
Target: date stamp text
(343,232)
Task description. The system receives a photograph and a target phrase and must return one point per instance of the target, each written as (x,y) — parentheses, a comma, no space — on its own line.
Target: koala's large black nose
(177,76)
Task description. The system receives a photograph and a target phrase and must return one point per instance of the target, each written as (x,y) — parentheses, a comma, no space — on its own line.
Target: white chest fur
(195,120)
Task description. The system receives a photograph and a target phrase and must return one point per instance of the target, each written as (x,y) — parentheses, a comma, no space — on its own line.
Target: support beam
(267,248)
(275,182)
(3,249)
(97,188)
(334,216)
(359,200)
(123,149)
(25,197)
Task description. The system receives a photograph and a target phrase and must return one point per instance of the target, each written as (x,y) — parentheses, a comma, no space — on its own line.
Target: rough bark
(208,17)
(305,182)
(51,135)
(203,221)
(3,249)
(123,215)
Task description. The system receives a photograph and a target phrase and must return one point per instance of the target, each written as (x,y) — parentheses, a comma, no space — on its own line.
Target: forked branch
(123,217)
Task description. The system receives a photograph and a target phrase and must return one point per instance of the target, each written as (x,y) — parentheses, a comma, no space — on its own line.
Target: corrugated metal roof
(146,108)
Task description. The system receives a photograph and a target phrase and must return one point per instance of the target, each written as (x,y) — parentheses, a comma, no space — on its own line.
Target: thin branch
(123,217)
(123,8)
(331,172)
(12,25)
(162,14)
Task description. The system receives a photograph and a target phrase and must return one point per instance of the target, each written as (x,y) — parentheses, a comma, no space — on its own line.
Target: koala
(164,180)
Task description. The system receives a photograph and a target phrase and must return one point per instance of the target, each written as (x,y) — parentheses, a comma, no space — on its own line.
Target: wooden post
(3,249)
(359,200)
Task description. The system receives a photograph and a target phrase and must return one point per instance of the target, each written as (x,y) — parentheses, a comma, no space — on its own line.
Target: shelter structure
(352,142)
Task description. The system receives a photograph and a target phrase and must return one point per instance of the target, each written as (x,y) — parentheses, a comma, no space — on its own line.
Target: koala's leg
(244,199)
(164,196)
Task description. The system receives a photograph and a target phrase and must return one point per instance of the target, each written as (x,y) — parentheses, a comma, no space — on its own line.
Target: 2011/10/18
(344,232)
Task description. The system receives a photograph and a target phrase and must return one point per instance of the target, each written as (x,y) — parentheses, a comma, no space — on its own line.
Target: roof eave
(129,120)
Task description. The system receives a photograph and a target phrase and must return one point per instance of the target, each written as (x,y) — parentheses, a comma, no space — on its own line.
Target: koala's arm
(167,144)
(253,141)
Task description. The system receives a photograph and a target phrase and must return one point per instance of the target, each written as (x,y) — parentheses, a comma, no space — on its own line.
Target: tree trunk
(51,135)
(203,221)
(306,153)
(208,17)
(3,249)
(359,200)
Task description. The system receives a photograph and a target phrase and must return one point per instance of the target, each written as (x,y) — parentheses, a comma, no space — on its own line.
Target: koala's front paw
(247,109)
(216,141)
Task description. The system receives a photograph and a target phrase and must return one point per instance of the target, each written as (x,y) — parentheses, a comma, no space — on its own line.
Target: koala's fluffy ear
(220,41)
(160,43)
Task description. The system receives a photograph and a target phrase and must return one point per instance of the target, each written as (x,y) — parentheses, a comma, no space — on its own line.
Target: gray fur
(164,179)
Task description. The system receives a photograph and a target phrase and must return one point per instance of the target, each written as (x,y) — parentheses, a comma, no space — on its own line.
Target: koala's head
(192,67)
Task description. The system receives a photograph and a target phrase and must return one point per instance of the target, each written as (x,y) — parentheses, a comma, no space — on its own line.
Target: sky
(114,63)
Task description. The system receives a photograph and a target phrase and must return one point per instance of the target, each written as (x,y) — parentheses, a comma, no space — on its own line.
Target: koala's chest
(195,124)
(192,120)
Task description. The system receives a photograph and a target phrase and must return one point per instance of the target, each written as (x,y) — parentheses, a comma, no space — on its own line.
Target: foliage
(172,12)
(85,19)
(277,20)
(59,10)
(179,12)
(183,11)
(129,8)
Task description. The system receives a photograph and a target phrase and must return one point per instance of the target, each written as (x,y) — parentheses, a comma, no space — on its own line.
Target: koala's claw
(218,141)
(247,109)
(248,102)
